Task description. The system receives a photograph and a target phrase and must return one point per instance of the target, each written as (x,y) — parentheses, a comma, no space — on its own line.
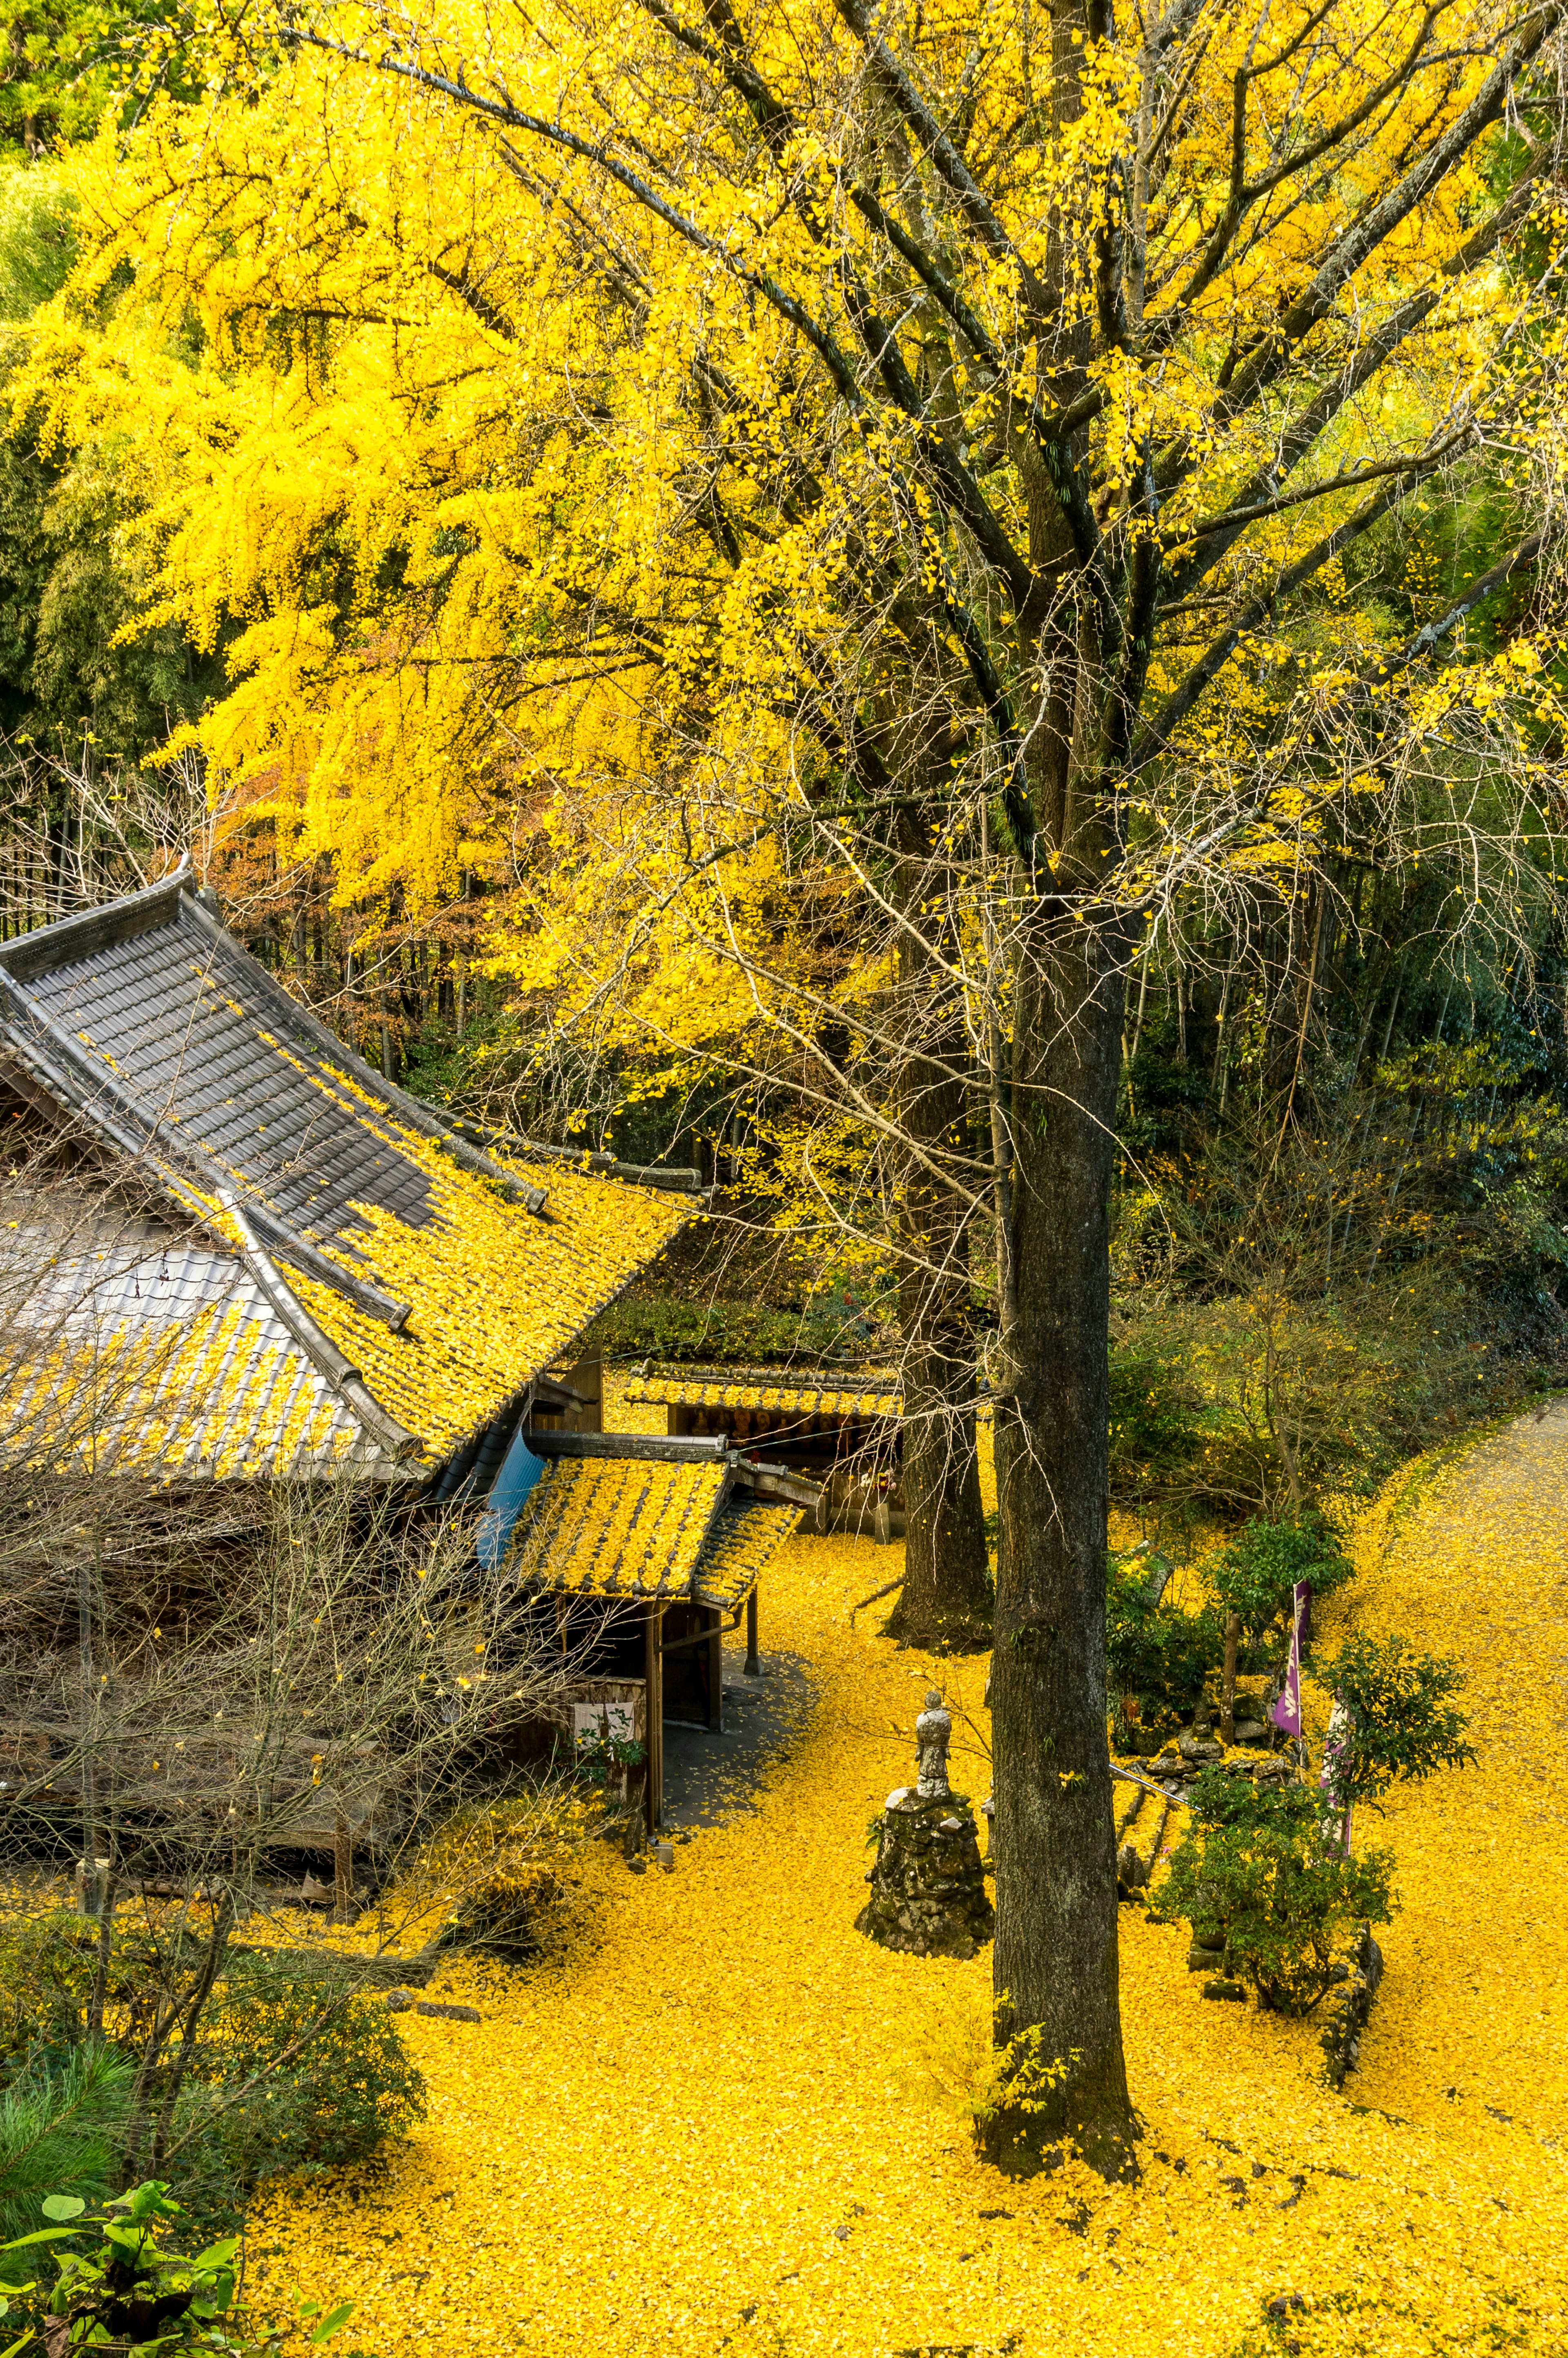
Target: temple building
(273,1264)
(840,1426)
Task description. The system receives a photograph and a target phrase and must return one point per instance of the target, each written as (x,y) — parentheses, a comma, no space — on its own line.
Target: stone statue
(932,1735)
(929,1886)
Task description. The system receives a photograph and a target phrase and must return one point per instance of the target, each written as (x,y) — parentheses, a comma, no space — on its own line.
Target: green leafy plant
(1157,1654)
(1402,1724)
(290,2075)
(1253,1870)
(58,2122)
(47,1967)
(117,2284)
(599,1757)
(1255,1576)
(1256,1571)
(1159,1423)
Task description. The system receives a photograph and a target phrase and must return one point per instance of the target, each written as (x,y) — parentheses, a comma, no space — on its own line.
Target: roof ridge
(87,930)
(674,1178)
(835,1376)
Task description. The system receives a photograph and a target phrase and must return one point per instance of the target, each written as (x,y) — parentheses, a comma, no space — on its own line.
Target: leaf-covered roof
(418,1283)
(811,1391)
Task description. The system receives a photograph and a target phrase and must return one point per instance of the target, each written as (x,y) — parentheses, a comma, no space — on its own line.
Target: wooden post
(715,1670)
(654,1705)
(342,1870)
(753,1667)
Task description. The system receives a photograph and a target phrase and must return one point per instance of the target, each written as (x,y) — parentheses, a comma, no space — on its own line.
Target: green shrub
(49,1963)
(1158,1424)
(45,1979)
(109,2282)
(1254,1869)
(60,2123)
(1155,1652)
(289,2074)
(1402,1723)
(1256,1571)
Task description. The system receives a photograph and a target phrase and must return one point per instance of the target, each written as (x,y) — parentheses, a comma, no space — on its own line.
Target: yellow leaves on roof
(873,1395)
(607,1527)
(217,1396)
(742,1545)
(496,1292)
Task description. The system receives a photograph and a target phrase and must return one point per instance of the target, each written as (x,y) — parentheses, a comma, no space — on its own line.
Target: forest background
(1343,1141)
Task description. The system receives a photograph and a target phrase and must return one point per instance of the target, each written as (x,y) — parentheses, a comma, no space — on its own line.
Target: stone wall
(1347,2007)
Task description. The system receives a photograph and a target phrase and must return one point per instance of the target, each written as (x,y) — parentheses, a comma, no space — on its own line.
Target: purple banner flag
(1286,1712)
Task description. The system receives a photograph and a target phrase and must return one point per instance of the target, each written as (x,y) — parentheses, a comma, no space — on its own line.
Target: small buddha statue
(932,1735)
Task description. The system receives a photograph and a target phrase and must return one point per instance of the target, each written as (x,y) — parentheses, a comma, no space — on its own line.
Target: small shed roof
(742,1541)
(617,1516)
(359,1282)
(616,1526)
(812,1392)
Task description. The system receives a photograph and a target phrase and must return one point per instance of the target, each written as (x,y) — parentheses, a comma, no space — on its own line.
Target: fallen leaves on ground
(728,2122)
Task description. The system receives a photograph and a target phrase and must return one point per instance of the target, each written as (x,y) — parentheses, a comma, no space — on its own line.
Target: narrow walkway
(1474,2019)
(709,1776)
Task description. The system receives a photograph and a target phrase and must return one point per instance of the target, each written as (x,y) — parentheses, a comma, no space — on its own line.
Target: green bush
(1256,1571)
(1402,1722)
(110,2283)
(1254,1869)
(1155,1652)
(289,2074)
(1158,1424)
(49,1963)
(61,2119)
(286,2073)
(45,1979)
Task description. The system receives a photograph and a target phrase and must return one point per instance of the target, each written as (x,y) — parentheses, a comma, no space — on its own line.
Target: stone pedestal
(928,1887)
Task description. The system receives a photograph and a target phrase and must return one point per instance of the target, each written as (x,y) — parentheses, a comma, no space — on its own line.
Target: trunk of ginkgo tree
(1054,1842)
(946,1602)
(1062,2073)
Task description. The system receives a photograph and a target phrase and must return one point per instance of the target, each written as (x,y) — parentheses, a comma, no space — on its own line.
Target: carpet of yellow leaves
(711,2127)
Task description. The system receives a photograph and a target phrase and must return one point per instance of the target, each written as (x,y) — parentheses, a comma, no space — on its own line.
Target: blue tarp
(519,1469)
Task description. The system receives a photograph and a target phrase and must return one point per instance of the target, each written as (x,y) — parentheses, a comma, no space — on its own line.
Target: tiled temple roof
(811,1391)
(339,1275)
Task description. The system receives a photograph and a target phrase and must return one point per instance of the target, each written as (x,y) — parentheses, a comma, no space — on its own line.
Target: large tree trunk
(946,1602)
(1055,1958)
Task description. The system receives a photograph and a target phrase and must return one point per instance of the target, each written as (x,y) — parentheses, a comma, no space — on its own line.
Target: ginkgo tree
(861,512)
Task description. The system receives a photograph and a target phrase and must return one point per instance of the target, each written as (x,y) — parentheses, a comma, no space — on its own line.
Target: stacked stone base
(929,1886)
(1346,2013)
